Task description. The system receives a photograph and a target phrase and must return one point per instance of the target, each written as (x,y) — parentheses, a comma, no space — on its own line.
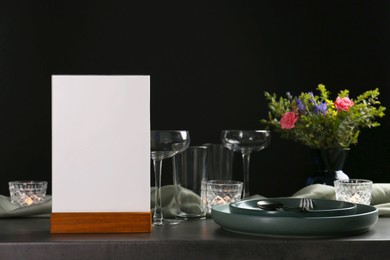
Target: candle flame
(28,201)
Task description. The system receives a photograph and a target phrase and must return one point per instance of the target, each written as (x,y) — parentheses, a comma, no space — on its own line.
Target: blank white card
(100,143)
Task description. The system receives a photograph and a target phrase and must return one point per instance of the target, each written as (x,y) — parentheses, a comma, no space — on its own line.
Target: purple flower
(321,107)
(301,107)
(312,100)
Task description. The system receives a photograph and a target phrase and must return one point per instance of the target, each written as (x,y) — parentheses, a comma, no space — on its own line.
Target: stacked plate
(327,218)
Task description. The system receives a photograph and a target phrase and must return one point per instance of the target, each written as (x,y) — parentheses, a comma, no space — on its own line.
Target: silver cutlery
(305,205)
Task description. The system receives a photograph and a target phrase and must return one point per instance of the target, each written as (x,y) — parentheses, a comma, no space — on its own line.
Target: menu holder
(100,222)
(100,154)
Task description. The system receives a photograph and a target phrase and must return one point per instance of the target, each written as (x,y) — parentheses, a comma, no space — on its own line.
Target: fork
(306,205)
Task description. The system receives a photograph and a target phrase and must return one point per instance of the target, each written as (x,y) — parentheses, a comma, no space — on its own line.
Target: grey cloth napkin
(190,199)
(9,210)
(168,204)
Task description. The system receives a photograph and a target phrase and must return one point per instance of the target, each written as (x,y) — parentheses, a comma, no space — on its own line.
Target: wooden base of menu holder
(101,222)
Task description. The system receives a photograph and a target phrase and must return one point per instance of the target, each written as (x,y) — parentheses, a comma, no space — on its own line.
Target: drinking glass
(219,162)
(164,144)
(246,142)
(189,170)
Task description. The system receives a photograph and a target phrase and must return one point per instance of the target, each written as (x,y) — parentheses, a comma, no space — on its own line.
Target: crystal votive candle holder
(222,192)
(354,191)
(27,193)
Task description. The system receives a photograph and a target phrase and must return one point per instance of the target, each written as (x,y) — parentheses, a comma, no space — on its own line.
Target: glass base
(167,222)
(190,217)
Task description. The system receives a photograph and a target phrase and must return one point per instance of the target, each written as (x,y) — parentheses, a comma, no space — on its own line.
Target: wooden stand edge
(101,222)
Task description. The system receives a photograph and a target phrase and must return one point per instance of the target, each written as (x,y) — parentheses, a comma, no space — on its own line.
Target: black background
(210,63)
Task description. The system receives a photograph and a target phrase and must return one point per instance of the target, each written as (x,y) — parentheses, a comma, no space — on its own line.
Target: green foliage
(321,122)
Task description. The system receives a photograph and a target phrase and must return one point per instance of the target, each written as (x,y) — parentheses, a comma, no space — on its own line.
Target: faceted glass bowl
(222,192)
(26,193)
(354,190)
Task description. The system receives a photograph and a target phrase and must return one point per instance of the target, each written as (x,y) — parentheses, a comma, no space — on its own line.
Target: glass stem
(246,156)
(157,216)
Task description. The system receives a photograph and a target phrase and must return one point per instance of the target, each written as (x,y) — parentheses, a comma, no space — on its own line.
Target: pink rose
(343,103)
(288,120)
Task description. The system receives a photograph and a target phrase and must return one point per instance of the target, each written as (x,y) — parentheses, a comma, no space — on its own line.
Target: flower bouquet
(328,125)
(319,122)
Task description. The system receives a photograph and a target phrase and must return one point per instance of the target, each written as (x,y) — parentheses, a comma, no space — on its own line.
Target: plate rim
(366,214)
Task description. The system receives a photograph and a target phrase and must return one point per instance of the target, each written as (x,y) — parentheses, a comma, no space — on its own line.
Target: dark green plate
(322,208)
(362,220)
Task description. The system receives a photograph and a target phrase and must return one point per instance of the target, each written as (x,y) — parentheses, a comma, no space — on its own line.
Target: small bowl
(27,193)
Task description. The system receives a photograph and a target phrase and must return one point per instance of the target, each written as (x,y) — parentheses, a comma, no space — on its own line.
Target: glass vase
(328,166)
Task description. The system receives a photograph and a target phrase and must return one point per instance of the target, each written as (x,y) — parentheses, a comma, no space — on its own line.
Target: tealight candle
(26,200)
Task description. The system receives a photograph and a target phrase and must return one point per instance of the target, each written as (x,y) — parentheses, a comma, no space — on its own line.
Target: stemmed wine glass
(246,142)
(164,144)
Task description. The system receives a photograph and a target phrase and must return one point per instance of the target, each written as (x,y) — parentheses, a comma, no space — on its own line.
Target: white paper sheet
(100,143)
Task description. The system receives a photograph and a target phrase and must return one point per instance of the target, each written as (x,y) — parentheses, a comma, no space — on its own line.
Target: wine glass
(164,144)
(246,142)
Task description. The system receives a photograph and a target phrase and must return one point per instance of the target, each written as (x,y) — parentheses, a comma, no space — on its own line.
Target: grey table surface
(29,238)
